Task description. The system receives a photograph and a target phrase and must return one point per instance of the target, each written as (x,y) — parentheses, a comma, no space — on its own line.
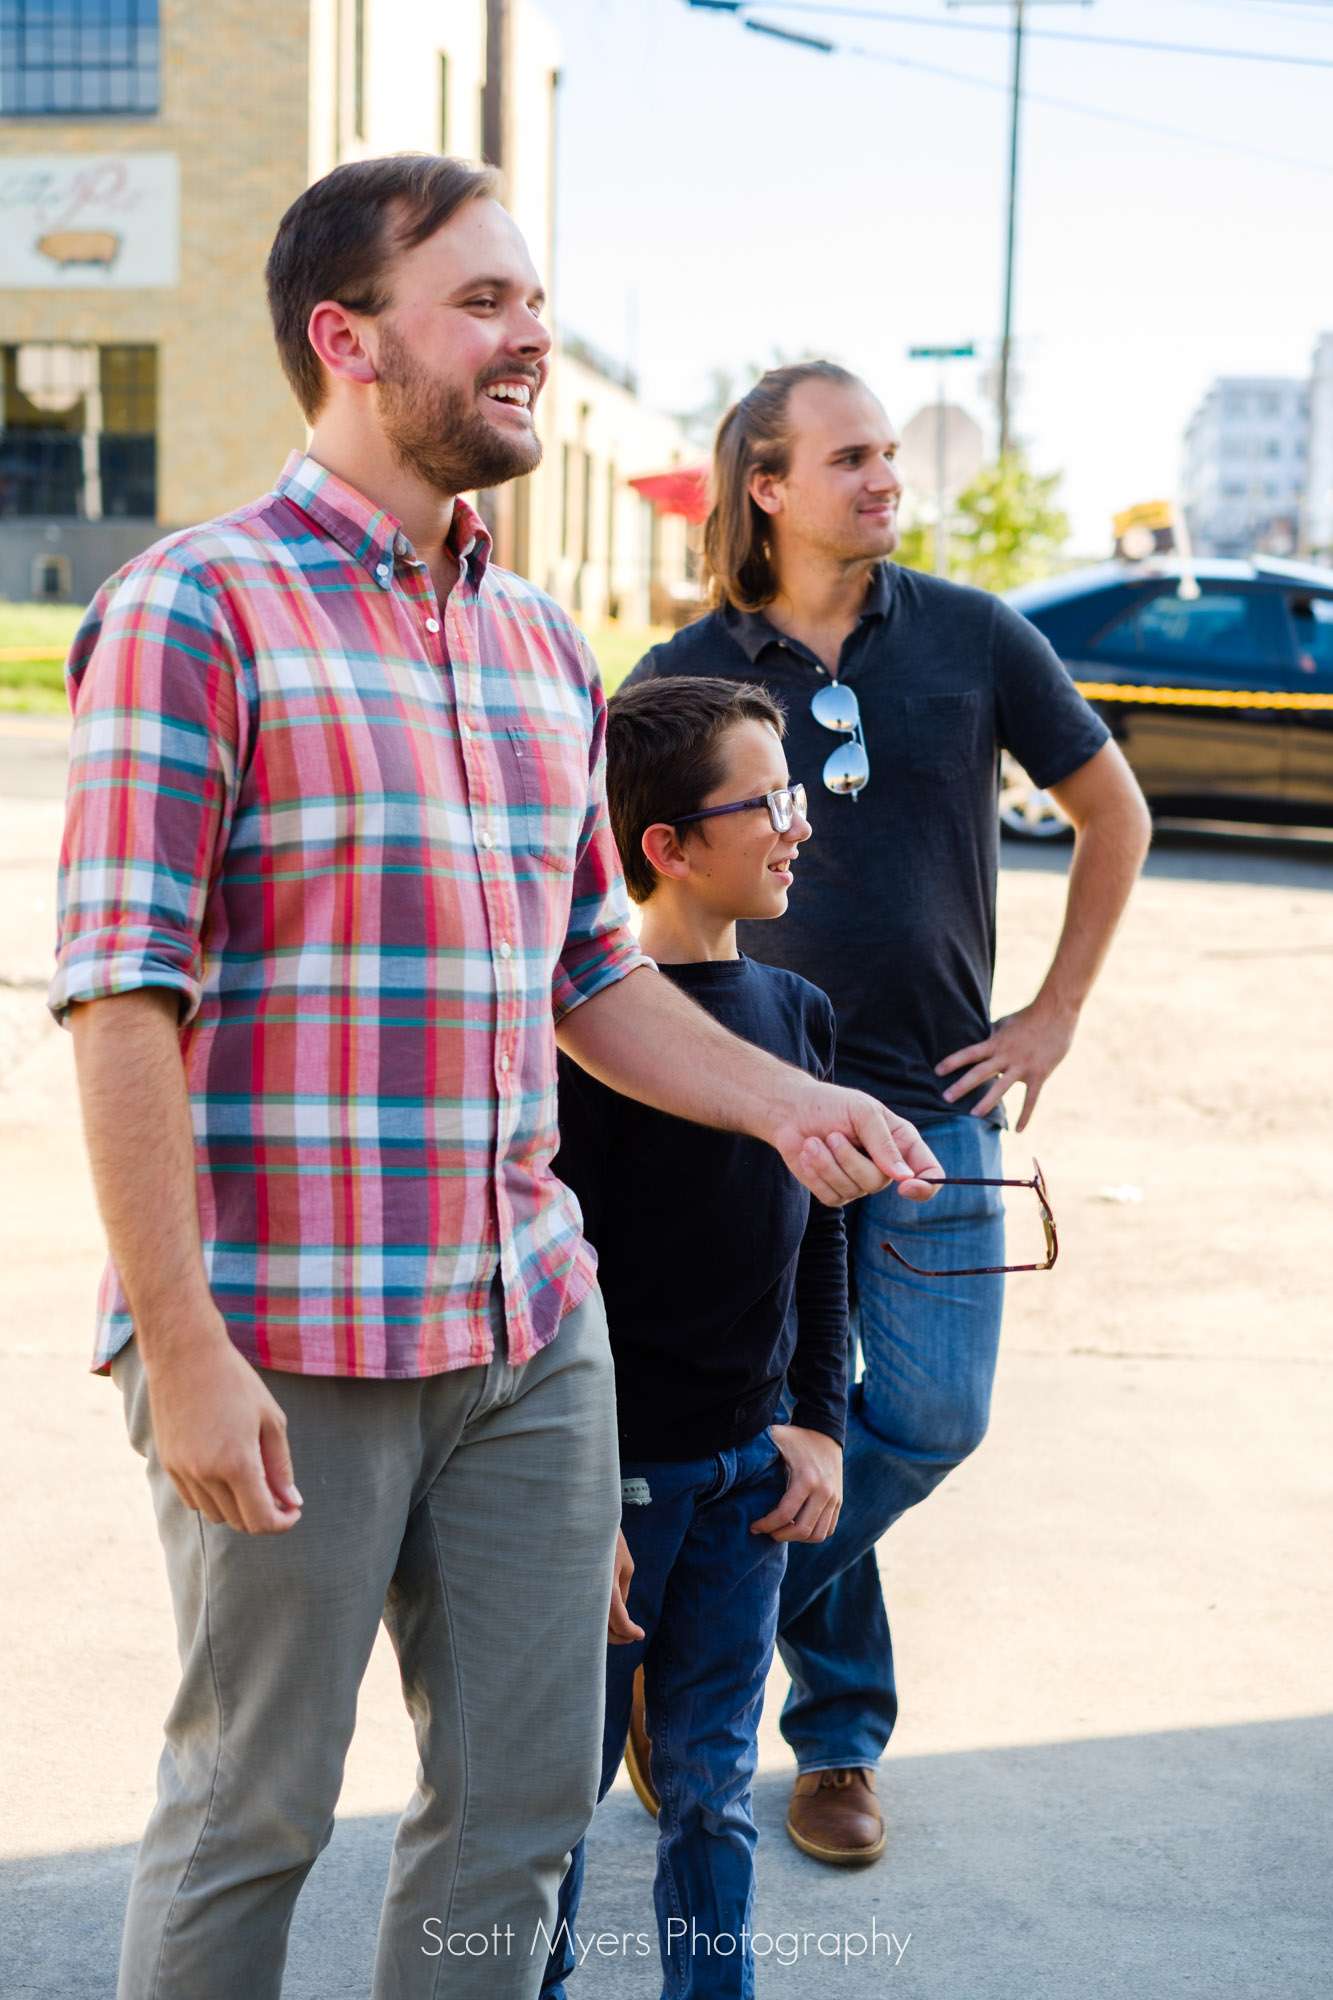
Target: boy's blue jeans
(928,1351)
(705,1591)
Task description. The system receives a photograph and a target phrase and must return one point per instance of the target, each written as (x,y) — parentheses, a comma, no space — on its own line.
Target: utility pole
(1006,336)
(1004,398)
(495,90)
(499,505)
(941,355)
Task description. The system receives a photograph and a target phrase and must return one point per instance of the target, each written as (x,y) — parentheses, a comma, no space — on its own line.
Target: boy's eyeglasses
(848,769)
(783,806)
(1038,1185)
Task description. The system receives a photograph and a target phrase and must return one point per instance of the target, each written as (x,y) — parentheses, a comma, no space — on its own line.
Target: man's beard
(436,432)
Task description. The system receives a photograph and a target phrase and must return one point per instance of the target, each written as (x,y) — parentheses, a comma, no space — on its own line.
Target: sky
(725,199)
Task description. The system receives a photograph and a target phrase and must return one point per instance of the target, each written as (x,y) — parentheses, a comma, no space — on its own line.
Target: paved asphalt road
(1113,1626)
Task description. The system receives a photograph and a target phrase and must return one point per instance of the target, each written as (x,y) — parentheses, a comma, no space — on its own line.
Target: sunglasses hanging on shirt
(848,768)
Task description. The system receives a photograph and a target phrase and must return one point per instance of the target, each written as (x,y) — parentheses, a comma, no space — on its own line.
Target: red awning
(683,490)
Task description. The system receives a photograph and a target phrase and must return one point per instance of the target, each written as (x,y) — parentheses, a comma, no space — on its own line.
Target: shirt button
(381,571)
(484,838)
(432,624)
(506,949)
(504,1063)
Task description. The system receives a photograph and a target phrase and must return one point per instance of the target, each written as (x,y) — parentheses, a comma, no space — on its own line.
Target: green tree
(1008,528)
(916,547)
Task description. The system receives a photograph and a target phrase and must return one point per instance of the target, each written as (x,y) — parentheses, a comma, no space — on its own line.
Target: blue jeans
(928,1350)
(705,1591)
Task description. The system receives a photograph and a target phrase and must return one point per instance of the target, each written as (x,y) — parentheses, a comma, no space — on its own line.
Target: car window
(1214,633)
(1312,619)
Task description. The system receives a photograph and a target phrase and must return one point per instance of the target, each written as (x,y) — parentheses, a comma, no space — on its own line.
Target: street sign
(940,353)
(919,457)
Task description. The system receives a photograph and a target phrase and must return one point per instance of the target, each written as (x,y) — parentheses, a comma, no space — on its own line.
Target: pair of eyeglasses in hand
(1038,1186)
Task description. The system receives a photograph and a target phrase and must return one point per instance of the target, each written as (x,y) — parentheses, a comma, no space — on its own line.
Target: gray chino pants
(476,1512)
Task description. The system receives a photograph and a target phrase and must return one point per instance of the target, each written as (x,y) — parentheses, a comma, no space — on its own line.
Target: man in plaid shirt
(337,877)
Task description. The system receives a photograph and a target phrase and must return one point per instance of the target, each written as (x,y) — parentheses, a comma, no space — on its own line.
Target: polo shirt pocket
(943,732)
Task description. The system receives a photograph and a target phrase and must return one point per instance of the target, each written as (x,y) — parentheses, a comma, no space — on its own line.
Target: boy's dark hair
(336,241)
(664,756)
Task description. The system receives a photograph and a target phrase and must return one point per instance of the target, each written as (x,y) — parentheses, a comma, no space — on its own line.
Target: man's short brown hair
(337,240)
(664,756)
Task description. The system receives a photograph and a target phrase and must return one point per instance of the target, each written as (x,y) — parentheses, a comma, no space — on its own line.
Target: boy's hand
(620,1627)
(809,1509)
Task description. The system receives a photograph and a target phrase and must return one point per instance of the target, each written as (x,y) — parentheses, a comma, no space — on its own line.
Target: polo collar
(752,631)
(369,535)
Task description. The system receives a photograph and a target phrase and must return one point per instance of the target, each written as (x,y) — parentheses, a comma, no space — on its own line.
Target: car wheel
(1026,812)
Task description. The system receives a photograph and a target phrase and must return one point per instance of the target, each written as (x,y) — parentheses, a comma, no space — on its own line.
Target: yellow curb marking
(1200,697)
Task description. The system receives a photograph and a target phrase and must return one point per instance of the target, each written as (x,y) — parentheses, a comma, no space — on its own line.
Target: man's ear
(337,338)
(665,851)
(765,490)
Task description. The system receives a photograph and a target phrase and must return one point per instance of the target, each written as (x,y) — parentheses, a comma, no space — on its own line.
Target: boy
(722,1281)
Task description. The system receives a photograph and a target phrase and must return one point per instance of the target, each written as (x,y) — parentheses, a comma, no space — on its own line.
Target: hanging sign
(89,221)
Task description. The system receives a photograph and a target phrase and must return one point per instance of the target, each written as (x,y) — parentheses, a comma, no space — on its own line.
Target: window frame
(79,21)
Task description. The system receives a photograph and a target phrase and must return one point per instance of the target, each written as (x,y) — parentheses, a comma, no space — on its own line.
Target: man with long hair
(337,876)
(901,689)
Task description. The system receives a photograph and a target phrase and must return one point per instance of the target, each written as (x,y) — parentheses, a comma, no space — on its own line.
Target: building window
(359,70)
(564,499)
(52,578)
(78,58)
(585,510)
(444,103)
(80,431)
(128,441)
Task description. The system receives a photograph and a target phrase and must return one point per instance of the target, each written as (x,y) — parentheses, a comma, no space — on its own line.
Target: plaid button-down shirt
(366,842)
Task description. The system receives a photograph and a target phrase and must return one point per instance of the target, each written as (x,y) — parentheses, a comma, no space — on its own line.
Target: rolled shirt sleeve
(158,739)
(599,946)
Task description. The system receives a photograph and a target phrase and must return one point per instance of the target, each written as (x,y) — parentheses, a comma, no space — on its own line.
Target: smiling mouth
(509,392)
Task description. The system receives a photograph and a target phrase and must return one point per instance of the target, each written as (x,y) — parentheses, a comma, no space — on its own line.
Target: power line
(1048,34)
(1087,110)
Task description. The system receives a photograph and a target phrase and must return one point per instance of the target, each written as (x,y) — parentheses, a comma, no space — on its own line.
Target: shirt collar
(752,631)
(371,536)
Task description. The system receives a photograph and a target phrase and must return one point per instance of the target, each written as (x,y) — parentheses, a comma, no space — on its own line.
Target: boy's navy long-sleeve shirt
(722,1276)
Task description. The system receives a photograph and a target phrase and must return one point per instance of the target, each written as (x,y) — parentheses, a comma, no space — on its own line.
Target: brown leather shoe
(835,1816)
(638,1750)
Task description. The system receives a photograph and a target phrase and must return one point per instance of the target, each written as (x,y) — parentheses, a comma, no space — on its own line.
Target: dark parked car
(1216,682)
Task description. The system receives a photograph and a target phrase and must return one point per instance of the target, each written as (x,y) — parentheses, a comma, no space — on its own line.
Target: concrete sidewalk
(1113,1625)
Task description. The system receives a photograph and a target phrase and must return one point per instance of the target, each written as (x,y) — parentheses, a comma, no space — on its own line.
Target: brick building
(147,151)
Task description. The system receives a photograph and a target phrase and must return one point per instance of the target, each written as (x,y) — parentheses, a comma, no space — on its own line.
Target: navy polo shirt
(893,908)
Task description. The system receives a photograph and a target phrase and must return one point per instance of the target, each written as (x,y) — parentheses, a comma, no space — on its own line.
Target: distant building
(611,554)
(1246,452)
(1317,535)
(147,151)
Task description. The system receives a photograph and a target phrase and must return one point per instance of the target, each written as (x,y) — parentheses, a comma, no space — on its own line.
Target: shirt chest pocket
(943,734)
(545,780)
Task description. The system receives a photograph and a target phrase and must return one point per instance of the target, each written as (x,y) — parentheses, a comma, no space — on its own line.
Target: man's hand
(809,1509)
(1022,1048)
(219,1434)
(1111,834)
(645,1038)
(841,1144)
(620,1627)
